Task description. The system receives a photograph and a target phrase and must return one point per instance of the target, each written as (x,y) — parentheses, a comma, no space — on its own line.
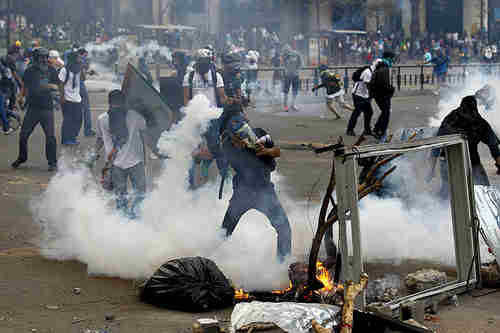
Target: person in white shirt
(71,101)
(119,131)
(362,102)
(201,80)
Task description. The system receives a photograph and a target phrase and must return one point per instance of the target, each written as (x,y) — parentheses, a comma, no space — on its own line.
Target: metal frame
(462,205)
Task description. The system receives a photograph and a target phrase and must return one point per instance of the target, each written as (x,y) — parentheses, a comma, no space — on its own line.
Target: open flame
(322,275)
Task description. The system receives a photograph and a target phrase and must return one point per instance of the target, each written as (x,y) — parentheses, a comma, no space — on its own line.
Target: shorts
(337,97)
(291,80)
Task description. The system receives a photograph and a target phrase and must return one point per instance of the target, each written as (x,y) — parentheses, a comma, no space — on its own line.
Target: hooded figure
(467,121)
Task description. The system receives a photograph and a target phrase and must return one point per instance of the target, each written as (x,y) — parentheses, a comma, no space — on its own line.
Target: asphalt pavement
(37,294)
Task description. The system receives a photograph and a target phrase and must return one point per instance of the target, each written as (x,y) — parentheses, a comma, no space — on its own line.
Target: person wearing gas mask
(40,81)
(204,80)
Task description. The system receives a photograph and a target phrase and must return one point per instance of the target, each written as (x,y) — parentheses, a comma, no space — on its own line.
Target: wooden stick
(350,292)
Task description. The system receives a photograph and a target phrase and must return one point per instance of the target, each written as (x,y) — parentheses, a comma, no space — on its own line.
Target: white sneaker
(9,131)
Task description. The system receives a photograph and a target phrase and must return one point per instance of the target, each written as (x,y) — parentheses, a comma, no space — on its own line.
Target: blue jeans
(264,200)
(3,113)
(87,118)
(137,175)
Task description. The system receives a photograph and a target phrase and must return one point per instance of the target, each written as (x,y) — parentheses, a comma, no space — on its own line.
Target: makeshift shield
(145,99)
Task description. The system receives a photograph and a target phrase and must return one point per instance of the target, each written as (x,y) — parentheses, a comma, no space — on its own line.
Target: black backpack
(356,76)
(213,71)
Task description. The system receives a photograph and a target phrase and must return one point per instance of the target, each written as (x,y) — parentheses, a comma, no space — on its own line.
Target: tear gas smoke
(108,67)
(80,223)
(451,98)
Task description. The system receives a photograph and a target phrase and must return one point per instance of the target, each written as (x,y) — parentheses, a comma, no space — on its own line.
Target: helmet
(18,43)
(203,54)
(54,54)
(323,68)
(40,52)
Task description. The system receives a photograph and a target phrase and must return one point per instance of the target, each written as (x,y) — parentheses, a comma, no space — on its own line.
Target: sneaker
(91,133)
(9,131)
(294,108)
(350,133)
(378,135)
(285,108)
(17,163)
(52,168)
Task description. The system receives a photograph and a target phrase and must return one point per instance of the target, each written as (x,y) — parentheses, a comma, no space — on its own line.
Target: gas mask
(202,67)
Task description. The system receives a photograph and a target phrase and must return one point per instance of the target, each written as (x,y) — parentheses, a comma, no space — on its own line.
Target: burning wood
(298,273)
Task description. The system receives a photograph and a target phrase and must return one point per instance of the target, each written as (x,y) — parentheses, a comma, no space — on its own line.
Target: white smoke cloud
(108,75)
(80,223)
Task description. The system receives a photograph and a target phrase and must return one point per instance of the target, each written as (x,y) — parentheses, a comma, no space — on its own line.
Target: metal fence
(404,77)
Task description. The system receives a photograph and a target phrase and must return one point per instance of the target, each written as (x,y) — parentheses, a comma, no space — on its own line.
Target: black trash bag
(193,284)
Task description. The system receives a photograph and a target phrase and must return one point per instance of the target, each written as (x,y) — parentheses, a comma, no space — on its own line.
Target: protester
(277,77)
(334,91)
(40,81)
(252,185)
(144,69)
(252,65)
(87,116)
(10,62)
(467,121)
(440,62)
(204,80)
(361,99)
(381,90)
(71,101)
(292,62)
(6,87)
(119,131)
(55,60)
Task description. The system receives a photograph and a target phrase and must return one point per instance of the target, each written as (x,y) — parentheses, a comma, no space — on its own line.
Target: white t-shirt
(132,152)
(360,87)
(202,87)
(70,94)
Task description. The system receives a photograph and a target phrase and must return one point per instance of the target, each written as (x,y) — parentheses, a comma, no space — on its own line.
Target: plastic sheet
(488,210)
(290,317)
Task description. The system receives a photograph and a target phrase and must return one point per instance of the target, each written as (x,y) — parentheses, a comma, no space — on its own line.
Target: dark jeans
(265,200)
(72,121)
(361,105)
(293,81)
(87,117)
(31,119)
(137,175)
(4,113)
(384,104)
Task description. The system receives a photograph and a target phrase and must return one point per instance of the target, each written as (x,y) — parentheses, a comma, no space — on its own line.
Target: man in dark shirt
(252,185)
(467,121)
(40,80)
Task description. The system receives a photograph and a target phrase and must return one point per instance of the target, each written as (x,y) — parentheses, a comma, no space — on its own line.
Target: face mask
(203,68)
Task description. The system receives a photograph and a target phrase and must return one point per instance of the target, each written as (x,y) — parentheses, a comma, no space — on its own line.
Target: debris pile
(424,279)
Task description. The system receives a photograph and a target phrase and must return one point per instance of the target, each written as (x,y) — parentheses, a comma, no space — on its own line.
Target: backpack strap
(213,71)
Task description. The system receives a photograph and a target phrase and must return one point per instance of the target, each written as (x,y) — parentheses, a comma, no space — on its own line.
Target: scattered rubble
(384,289)
(77,291)
(424,279)
(109,317)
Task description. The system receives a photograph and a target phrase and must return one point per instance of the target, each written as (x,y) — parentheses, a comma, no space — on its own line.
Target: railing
(403,77)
